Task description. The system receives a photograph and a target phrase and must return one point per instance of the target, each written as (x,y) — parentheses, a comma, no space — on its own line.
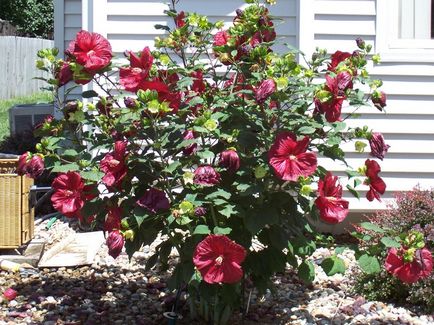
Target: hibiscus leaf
(163,27)
(218,193)
(306,271)
(150,263)
(303,246)
(258,219)
(369,264)
(206,154)
(353,191)
(92,175)
(228,210)
(65,168)
(89,94)
(201,230)
(70,153)
(352,173)
(333,265)
(390,242)
(306,130)
(172,167)
(222,231)
(219,201)
(372,226)
(140,214)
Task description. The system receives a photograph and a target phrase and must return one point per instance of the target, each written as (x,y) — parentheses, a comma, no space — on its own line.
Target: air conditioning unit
(25,117)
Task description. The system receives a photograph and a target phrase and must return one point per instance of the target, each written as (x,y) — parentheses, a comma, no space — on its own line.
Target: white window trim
(389,46)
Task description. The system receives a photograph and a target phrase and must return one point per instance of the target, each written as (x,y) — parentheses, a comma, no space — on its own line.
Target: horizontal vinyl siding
(408,125)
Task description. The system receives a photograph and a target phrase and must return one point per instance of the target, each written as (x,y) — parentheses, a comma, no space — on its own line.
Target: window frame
(390,46)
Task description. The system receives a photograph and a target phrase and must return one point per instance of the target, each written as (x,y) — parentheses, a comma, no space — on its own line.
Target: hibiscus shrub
(402,239)
(212,141)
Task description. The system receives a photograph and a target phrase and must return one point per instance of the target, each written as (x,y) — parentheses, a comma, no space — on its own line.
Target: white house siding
(331,24)
(408,125)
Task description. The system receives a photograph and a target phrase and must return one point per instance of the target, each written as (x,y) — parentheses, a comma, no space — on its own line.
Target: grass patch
(43,97)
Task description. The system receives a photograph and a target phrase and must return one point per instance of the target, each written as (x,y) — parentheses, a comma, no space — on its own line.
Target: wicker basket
(16,217)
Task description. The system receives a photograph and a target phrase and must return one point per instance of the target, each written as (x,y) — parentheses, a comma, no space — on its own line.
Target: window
(405,30)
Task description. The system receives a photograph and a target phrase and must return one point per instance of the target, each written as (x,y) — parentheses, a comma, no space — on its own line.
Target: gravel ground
(122,292)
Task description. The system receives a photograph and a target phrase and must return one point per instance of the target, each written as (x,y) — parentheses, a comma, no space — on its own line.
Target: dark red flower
(154,200)
(113,219)
(266,36)
(409,272)
(10,294)
(379,99)
(115,242)
(64,75)
(31,167)
(68,196)
(179,20)
(221,38)
(265,90)
(138,71)
(289,159)
(378,147)
(219,259)
(337,58)
(376,183)
(332,208)
(189,135)
(230,160)
(199,84)
(206,175)
(113,165)
(91,50)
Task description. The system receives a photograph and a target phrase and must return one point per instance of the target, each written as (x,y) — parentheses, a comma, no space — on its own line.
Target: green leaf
(201,230)
(340,249)
(372,226)
(89,94)
(65,168)
(172,167)
(303,246)
(228,210)
(222,231)
(218,193)
(369,264)
(258,219)
(352,173)
(140,214)
(353,191)
(70,153)
(92,175)
(306,271)
(333,265)
(206,154)
(390,242)
(306,130)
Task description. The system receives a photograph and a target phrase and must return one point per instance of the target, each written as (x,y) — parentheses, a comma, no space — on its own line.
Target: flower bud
(379,99)
(265,90)
(230,160)
(130,102)
(115,242)
(200,211)
(378,147)
(206,175)
(10,294)
(360,43)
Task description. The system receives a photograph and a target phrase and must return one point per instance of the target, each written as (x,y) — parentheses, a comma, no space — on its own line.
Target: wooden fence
(17,65)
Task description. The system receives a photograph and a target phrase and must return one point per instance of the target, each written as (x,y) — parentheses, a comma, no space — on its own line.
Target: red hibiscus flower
(91,50)
(154,200)
(113,219)
(289,158)
(179,20)
(221,38)
(69,194)
(378,147)
(219,259)
(336,88)
(409,272)
(332,208)
(376,183)
(206,176)
(265,90)
(230,160)
(131,77)
(113,165)
(337,58)
(115,242)
(32,167)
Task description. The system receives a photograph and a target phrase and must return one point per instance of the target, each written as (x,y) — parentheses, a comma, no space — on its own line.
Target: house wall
(331,24)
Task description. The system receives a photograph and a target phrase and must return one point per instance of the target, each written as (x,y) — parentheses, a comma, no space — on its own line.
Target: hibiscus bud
(115,243)
(265,90)
(378,147)
(200,211)
(189,135)
(35,167)
(230,160)
(130,102)
(221,38)
(22,163)
(64,75)
(10,294)
(239,12)
(379,99)
(360,43)
(206,176)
